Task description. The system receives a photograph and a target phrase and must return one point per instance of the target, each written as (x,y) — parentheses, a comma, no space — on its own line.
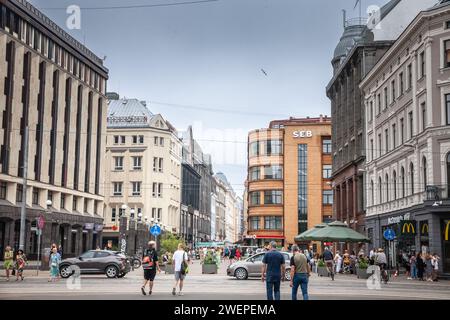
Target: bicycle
(384,273)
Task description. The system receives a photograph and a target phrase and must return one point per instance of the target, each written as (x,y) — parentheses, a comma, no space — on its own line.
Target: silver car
(252,266)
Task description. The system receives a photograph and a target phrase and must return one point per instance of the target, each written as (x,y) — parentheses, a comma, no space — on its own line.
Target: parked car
(252,266)
(112,264)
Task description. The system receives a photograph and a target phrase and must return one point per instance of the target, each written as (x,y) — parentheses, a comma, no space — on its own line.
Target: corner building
(289,167)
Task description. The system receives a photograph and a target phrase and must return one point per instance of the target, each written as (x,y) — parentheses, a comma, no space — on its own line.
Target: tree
(169,243)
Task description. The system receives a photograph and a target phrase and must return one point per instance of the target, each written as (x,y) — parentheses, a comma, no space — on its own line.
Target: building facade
(52,87)
(143,165)
(289,171)
(407,101)
(220,194)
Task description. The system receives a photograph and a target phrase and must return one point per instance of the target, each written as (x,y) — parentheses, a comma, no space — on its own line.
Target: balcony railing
(437,192)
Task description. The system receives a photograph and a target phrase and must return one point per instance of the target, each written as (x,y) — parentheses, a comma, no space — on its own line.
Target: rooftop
(128,113)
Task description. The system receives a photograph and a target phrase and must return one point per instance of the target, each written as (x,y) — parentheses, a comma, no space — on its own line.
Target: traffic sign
(389,234)
(155,230)
(40,222)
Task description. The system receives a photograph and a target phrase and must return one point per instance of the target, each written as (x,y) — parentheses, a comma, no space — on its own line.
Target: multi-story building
(289,171)
(220,192)
(53,88)
(143,165)
(407,101)
(358,50)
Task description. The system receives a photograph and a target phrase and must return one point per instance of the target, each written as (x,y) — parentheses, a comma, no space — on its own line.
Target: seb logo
(302,134)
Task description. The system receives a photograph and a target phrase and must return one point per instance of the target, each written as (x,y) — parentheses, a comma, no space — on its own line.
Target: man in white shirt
(178,257)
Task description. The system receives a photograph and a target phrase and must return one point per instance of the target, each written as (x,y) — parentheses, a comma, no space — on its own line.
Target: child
(20,264)
(54,261)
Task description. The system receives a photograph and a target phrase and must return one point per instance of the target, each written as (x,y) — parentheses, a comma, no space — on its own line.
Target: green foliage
(321,263)
(363,263)
(169,243)
(210,258)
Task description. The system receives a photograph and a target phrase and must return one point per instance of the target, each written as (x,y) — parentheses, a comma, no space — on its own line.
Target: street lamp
(140,217)
(132,214)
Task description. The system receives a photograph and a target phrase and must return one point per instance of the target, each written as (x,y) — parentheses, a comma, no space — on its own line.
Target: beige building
(143,166)
(55,87)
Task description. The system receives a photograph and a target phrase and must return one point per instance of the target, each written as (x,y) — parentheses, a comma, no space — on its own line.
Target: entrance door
(84,245)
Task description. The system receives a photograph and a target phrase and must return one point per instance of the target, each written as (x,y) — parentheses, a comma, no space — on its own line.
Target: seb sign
(302,134)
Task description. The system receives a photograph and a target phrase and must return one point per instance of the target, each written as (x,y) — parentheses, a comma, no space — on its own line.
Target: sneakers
(143,291)
(180,294)
(174,291)
(409,278)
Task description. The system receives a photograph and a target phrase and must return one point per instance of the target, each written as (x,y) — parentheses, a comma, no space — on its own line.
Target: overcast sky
(200,64)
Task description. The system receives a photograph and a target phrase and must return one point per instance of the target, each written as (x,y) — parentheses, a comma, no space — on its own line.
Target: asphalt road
(213,287)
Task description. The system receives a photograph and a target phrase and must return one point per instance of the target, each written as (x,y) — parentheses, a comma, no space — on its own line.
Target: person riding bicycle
(380,259)
(328,258)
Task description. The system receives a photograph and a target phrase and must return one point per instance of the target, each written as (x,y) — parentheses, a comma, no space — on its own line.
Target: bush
(169,243)
(210,258)
(363,263)
(321,263)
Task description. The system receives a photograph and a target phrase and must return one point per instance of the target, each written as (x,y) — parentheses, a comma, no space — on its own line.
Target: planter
(322,271)
(169,269)
(362,273)
(209,268)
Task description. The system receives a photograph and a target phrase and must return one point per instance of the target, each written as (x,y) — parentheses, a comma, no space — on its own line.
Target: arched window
(402,173)
(448,175)
(411,173)
(394,187)
(425,180)
(380,191)
(372,190)
(387,187)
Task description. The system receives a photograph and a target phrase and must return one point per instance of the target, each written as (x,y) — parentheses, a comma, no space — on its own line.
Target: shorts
(149,274)
(329,264)
(179,276)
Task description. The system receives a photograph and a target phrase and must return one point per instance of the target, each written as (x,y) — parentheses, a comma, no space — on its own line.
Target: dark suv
(113,264)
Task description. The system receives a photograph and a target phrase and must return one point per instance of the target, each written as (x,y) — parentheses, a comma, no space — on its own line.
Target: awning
(334,232)
(305,235)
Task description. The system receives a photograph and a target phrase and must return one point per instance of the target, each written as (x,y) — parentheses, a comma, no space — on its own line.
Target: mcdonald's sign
(425,228)
(408,228)
(446,231)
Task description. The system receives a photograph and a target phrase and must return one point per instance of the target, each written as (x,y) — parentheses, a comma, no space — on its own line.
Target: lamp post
(123,229)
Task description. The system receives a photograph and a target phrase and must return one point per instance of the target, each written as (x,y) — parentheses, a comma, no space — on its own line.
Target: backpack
(147,261)
(184,266)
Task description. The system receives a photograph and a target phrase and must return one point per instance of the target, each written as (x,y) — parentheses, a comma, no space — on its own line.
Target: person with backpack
(180,261)
(150,265)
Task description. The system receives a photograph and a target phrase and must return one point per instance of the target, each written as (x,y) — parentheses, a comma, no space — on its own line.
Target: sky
(226,67)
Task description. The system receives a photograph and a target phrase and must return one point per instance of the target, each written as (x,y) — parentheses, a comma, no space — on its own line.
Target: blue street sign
(389,234)
(155,230)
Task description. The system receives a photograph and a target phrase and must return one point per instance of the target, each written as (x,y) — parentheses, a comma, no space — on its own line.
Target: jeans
(300,279)
(273,288)
(413,271)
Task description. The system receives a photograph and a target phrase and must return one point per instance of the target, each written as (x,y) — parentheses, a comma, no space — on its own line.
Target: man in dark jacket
(329,261)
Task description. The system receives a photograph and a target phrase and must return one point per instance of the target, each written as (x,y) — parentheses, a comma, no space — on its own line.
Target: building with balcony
(407,103)
(52,87)
(143,165)
(288,182)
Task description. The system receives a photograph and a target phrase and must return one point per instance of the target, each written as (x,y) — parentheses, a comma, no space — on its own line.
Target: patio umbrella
(305,235)
(337,232)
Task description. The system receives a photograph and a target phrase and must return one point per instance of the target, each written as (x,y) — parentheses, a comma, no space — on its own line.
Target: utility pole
(24,195)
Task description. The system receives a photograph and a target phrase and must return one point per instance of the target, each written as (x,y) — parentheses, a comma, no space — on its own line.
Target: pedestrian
(238,254)
(54,262)
(435,262)
(329,261)
(420,266)
(273,271)
(21,261)
(428,267)
(413,266)
(60,251)
(232,255)
(300,273)
(180,261)
(150,265)
(8,261)
(338,262)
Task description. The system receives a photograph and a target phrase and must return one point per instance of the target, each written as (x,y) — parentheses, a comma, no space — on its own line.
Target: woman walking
(435,262)
(8,259)
(54,261)
(21,260)
(420,266)
(338,262)
(413,266)
(428,267)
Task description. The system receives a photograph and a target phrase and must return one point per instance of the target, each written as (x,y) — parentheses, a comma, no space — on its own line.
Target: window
(159,214)
(75,204)
(3,186)
(371,149)
(161,142)
(372,190)
(272,223)
(19,193)
(409,76)
(155,164)
(394,135)
(327,197)
(402,131)
(448,175)
(160,162)
(402,172)
(254,198)
(371,111)
(153,213)
(410,117)
(156,139)
(424,116)
(154,189)
(273,172)
(393,91)
(141,139)
(254,149)
(137,163)
(273,197)
(63,201)
(254,223)
(113,214)
(387,186)
(135,139)
(386,138)
(394,187)
(118,163)
(326,171)
(402,85)
(447,54)
(254,173)
(116,139)
(447,24)
(117,188)
(136,188)
(411,178)
(160,190)
(424,168)
(422,64)
(326,146)
(447,108)
(35,198)
(302,195)
(274,147)
(386,98)
(378,103)
(379,145)
(380,191)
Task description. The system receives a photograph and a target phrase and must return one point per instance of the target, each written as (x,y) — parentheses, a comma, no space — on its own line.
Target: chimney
(321,118)
(144,103)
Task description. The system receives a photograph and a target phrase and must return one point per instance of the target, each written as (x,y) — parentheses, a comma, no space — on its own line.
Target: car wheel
(111,271)
(121,275)
(241,274)
(287,275)
(65,271)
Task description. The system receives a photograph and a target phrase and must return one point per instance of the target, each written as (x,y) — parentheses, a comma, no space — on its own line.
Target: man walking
(180,260)
(329,259)
(300,272)
(150,265)
(273,271)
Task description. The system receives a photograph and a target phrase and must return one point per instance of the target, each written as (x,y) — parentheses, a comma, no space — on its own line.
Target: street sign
(39,232)
(155,230)
(389,234)
(40,222)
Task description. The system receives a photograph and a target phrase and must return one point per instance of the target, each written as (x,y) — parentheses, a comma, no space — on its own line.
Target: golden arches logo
(408,227)
(446,231)
(425,226)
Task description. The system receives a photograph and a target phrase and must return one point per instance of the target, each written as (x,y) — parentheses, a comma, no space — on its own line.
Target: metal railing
(437,192)
(356,22)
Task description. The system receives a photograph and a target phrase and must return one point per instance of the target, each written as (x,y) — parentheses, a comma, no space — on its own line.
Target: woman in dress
(8,261)
(54,261)
(338,262)
(21,260)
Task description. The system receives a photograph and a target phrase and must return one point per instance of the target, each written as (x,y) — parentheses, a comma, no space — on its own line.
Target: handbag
(184,266)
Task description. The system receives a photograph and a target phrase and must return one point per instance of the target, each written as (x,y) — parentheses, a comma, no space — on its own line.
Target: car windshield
(255,258)
(88,255)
